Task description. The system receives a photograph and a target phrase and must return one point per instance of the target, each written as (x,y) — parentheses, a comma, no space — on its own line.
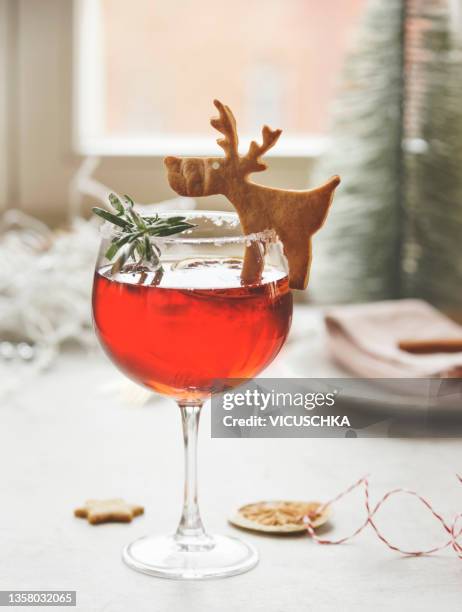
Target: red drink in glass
(179,340)
(189,315)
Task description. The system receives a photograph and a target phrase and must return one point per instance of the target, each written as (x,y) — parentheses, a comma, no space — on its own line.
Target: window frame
(38,151)
(89,108)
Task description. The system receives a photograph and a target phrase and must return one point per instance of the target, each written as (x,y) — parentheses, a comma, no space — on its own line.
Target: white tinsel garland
(45,288)
(46,280)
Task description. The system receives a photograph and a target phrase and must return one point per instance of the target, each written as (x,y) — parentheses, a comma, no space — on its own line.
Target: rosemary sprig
(135,231)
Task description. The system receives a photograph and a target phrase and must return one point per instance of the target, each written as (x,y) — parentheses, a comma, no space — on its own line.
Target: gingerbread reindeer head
(294,215)
(203,176)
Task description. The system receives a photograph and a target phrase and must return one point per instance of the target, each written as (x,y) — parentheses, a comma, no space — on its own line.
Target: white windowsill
(310,146)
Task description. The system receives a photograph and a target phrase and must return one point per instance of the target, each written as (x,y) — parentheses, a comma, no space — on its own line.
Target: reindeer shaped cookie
(294,215)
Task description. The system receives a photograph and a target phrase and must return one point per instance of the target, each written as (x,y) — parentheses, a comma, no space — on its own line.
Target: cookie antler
(226,124)
(251,161)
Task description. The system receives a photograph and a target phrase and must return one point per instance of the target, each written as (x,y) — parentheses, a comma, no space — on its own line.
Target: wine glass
(183,327)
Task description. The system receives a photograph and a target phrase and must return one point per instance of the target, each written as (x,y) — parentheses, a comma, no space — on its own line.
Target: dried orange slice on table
(280,517)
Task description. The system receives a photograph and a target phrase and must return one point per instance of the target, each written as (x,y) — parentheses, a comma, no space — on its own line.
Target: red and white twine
(452,529)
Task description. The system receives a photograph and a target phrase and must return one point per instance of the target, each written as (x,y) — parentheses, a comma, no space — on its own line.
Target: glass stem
(191,534)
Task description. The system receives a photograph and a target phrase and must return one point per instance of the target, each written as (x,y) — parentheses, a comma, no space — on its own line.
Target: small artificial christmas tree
(432,265)
(396,225)
(357,257)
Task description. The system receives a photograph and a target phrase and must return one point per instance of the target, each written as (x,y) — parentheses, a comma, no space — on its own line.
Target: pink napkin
(364,339)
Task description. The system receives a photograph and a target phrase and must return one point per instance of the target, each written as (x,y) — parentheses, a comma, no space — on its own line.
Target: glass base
(171,557)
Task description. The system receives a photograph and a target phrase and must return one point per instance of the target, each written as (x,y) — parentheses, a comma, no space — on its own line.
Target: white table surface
(65,440)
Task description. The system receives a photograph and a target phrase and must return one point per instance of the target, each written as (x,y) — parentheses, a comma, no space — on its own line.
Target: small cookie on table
(98,511)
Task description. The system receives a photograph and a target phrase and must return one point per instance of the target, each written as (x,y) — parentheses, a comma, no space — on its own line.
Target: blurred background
(132,82)
(96,92)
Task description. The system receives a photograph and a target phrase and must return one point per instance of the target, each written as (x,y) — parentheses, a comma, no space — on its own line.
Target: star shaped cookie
(108,511)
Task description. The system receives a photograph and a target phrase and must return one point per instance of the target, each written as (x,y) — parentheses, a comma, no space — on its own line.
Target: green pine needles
(135,232)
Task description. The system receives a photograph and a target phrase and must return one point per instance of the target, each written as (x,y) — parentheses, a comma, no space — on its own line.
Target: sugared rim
(267,235)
